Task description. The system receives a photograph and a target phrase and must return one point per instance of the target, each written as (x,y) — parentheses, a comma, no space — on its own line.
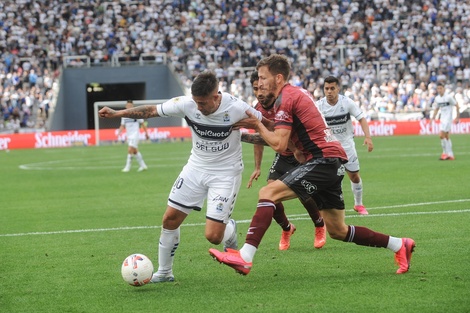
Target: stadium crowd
(389,54)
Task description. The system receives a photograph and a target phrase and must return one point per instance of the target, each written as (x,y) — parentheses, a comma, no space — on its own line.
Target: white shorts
(133,142)
(353,161)
(445,125)
(192,187)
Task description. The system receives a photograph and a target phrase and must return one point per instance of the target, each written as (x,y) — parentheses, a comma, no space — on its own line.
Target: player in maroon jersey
(282,163)
(298,120)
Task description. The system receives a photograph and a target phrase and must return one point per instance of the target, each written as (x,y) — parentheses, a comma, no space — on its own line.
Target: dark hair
(130,101)
(440,84)
(331,79)
(204,84)
(277,64)
(254,77)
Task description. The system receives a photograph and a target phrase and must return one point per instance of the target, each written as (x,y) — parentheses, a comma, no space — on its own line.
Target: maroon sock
(365,237)
(280,217)
(312,209)
(260,222)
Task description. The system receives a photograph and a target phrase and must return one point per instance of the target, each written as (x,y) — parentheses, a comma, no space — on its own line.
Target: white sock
(128,160)
(229,231)
(357,192)
(394,244)
(444,146)
(140,159)
(449,148)
(169,241)
(247,252)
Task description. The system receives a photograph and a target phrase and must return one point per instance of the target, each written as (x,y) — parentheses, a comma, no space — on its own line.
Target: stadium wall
(87,137)
(72,110)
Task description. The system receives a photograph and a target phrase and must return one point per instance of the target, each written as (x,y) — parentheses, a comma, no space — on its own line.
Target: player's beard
(267,100)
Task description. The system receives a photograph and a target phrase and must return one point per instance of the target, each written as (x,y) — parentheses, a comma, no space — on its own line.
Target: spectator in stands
(198,36)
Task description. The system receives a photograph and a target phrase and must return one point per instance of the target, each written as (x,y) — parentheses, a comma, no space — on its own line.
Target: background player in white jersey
(214,168)
(445,103)
(337,110)
(132,127)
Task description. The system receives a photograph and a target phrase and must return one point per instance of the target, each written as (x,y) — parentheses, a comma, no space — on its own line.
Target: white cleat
(142,168)
(162,278)
(125,170)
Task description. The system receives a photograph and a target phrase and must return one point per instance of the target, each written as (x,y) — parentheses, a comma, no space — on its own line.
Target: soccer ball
(137,269)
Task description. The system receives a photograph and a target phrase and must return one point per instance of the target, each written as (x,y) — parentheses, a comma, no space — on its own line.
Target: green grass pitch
(69,217)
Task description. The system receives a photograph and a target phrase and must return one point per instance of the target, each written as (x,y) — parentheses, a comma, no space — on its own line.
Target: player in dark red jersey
(283,162)
(298,120)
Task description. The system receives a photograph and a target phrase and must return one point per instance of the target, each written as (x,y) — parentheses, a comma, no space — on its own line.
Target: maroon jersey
(296,110)
(269,114)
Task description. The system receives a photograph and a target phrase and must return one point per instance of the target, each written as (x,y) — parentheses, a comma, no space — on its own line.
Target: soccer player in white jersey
(337,110)
(214,168)
(445,103)
(132,127)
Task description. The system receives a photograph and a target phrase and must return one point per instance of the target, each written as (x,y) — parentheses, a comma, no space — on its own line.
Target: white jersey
(446,105)
(217,146)
(132,126)
(338,118)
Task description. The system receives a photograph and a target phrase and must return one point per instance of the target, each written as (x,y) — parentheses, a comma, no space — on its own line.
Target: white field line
(291,217)
(60,164)
(75,164)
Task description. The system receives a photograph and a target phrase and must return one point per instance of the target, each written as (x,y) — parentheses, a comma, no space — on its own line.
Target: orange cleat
(450,158)
(361,209)
(233,259)
(403,256)
(443,157)
(320,237)
(284,243)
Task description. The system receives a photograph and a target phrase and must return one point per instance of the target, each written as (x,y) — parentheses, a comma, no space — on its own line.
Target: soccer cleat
(320,237)
(443,157)
(232,242)
(162,278)
(142,168)
(284,243)
(125,170)
(233,259)
(450,158)
(403,256)
(361,209)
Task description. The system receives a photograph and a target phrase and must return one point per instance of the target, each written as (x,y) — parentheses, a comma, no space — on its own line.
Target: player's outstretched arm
(255,139)
(277,139)
(143,111)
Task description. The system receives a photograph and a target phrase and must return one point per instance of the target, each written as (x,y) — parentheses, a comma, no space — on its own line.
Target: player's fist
(106,112)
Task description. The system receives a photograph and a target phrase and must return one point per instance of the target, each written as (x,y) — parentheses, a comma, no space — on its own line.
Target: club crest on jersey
(282,116)
(226,117)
